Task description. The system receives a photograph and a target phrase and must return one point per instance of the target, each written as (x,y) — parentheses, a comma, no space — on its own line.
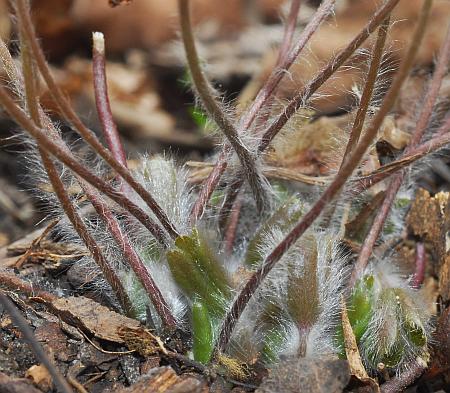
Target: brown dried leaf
(94,318)
(357,369)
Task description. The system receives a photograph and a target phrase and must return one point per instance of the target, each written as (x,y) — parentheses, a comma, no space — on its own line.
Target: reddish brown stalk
(441,139)
(230,234)
(421,264)
(214,110)
(377,56)
(102,99)
(131,256)
(306,93)
(289,30)
(57,184)
(333,65)
(401,382)
(88,136)
(40,354)
(278,73)
(396,182)
(333,189)
(208,186)
(67,158)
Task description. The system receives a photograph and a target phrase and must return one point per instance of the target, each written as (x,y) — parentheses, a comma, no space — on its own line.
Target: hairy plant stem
(57,184)
(302,98)
(396,182)
(333,65)
(132,258)
(286,61)
(289,30)
(332,190)
(66,157)
(87,135)
(40,354)
(216,113)
(109,127)
(377,56)
(401,382)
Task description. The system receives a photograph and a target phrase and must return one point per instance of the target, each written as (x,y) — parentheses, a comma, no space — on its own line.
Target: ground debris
(165,380)
(16,385)
(307,375)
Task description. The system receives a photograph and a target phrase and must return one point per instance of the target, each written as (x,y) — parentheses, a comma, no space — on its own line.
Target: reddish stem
(333,189)
(333,65)
(38,351)
(396,182)
(230,234)
(60,152)
(87,135)
(102,100)
(421,264)
(286,61)
(131,256)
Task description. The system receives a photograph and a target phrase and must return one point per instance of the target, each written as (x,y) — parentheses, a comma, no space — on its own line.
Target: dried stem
(407,378)
(333,189)
(333,65)
(58,150)
(14,283)
(214,110)
(40,354)
(286,61)
(131,256)
(102,99)
(377,56)
(57,184)
(88,136)
(230,234)
(396,182)
(289,30)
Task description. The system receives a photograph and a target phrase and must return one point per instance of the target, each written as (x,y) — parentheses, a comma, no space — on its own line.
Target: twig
(206,94)
(40,354)
(16,284)
(333,189)
(377,56)
(88,136)
(407,378)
